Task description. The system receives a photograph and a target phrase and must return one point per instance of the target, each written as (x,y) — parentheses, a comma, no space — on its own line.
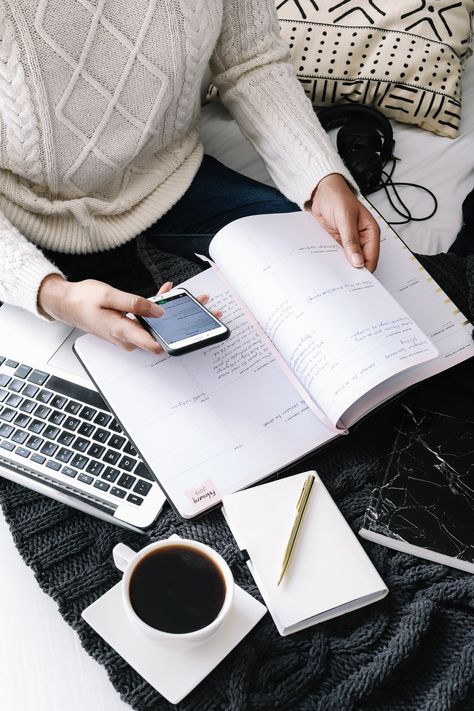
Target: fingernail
(169,284)
(156,310)
(357,259)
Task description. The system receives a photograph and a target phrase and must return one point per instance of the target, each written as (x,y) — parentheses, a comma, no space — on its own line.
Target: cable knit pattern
(120,87)
(16,108)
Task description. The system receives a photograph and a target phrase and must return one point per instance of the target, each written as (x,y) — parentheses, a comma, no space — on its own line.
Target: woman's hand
(337,209)
(98,308)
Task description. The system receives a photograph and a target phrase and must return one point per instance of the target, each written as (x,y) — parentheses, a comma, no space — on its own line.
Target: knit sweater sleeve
(22,268)
(256,82)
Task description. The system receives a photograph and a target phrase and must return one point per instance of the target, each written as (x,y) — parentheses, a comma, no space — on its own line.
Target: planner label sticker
(203,495)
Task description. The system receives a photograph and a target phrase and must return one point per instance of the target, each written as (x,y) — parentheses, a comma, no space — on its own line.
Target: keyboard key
(27,405)
(13,400)
(51,464)
(4,394)
(144,472)
(4,379)
(22,371)
(65,438)
(42,411)
(116,441)
(87,413)
(2,359)
(111,457)
(34,442)
(44,396)
(102,485)
(85,478)
(142,487)
(114,425)
(86,429)
(79,461)
(11,363)
(80,444)
(6,430)
(7,414)
(127,463)
(102,418)
(64,455)
(22,420)
(134,499)
(56,417)
(5,444)
(94,468)
(130,449)
(127,481)
(22,452)
(51,432)
(49,448)
(16,385)
(30,390)
(69,472)
(19,436)
(110,474)
(101,436)
(120,493)
(96,450)
(71,423)
(35,457)
(73,407)
(37,426)
(38,377)
(58,401)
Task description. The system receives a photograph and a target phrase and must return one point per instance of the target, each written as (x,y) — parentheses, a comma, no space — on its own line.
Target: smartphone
(185,325)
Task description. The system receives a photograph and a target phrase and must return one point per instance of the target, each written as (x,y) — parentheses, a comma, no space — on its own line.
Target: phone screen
(183,318)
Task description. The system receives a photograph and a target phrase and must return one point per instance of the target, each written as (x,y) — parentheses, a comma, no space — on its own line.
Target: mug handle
(122,556)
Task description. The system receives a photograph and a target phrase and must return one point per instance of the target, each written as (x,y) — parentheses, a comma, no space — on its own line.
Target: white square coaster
(172,672)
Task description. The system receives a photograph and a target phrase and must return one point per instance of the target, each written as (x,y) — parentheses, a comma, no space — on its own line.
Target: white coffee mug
(127,560)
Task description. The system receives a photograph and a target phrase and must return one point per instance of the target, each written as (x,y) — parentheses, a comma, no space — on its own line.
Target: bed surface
(444,165)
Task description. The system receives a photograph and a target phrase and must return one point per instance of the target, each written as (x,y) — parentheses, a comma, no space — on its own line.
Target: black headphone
(365,141)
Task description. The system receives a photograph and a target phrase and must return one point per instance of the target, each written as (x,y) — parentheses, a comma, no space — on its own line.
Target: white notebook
(329,572)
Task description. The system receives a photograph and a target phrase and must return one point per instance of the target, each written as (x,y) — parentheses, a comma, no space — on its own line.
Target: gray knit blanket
(412,650)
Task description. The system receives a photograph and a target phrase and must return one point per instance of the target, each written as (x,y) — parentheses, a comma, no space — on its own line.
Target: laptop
(57,435)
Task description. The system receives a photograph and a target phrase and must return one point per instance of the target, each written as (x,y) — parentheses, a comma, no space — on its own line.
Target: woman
(99,107)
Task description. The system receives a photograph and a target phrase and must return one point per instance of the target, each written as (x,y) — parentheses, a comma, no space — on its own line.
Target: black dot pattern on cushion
(403,58)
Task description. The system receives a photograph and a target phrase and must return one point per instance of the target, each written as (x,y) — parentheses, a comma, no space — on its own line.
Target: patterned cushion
(405,58)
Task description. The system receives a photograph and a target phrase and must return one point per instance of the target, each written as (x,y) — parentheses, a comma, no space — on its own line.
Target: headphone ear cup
(366,168)
(356,134)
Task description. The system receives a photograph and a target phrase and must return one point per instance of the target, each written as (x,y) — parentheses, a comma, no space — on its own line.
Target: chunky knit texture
(99,118)
(412,651)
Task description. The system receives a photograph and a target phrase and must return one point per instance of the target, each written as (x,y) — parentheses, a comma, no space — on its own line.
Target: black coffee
(177,589)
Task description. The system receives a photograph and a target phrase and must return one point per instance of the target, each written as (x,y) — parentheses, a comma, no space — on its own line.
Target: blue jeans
(216,197)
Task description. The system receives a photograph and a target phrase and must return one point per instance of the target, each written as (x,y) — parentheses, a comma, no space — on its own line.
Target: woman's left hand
(337,209)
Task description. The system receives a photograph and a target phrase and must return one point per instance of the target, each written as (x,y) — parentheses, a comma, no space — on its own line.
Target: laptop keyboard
(66,430)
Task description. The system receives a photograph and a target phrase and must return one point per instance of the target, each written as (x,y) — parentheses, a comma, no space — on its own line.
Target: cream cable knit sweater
(99,118)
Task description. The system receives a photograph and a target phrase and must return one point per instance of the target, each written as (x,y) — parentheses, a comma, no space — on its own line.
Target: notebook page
(338,329)
(328,568)
(211,421)
(416,291)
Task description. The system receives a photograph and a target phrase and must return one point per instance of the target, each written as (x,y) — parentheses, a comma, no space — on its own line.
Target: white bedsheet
(444,165)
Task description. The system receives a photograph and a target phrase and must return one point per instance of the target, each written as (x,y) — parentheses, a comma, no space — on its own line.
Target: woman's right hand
(98,308)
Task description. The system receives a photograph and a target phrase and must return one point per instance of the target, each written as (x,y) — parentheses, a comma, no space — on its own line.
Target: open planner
(315,345)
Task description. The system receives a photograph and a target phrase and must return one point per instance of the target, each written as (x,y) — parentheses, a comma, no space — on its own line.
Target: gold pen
(300,509)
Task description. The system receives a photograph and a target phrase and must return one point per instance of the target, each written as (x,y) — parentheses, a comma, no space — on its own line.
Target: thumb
(349,236)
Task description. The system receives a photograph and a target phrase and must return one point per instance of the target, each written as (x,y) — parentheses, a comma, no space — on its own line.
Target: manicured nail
(156,310)
(357,259)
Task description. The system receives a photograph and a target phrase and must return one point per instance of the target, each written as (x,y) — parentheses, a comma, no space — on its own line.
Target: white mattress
(444,165)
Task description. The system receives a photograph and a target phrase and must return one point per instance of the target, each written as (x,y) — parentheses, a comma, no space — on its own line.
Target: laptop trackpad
(65,359)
